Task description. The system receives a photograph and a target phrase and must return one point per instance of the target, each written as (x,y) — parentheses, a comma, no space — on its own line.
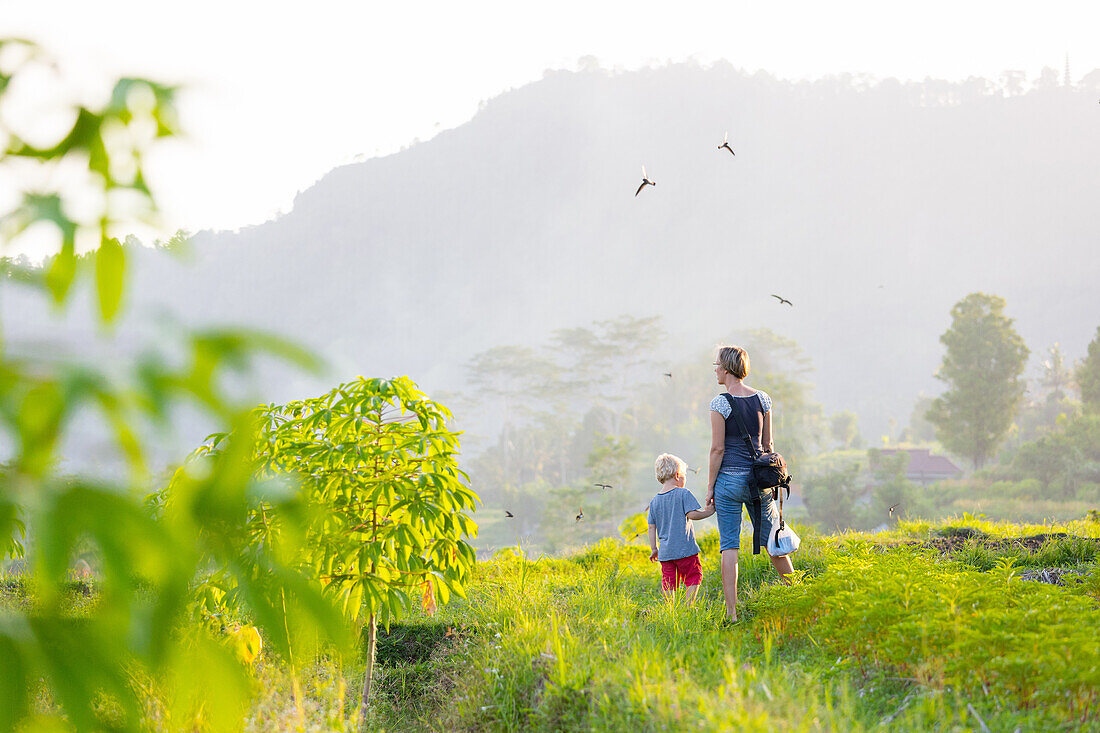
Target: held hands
(710,500)
(653,554)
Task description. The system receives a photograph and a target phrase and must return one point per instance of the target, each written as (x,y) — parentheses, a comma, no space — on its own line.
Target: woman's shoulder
(722,405)
(765,400)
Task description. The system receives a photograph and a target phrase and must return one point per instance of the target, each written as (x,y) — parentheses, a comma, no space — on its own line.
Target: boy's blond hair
(668,467)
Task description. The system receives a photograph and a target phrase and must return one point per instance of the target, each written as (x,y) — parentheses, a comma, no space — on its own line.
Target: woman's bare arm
(717,451)
(766,433)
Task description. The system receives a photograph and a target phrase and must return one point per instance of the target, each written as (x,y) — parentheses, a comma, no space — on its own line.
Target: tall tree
(982,367)
(1057,378)
(1088,376)
(609,462)
(1056,382)
(604,364)
(844,429)
(919,429)
(513,379)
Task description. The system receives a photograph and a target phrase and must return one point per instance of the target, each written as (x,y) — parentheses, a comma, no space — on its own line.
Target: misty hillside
(873,210)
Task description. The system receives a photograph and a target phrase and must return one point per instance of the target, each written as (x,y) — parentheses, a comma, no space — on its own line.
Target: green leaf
(207,679)
(110,266)
(59,278)
(13,531)
(82,662)
(13,683)
(39,207)
(39,422)
(83,135)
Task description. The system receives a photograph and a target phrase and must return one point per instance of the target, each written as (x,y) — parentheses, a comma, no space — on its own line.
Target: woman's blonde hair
(668,467)
(734,360)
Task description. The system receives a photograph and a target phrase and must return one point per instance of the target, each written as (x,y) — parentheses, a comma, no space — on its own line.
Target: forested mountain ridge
(873,208)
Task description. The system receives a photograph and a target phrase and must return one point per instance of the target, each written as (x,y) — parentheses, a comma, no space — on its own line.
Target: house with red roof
(925,468)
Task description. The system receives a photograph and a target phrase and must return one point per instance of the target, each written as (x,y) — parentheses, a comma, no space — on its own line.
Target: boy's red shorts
(686,570)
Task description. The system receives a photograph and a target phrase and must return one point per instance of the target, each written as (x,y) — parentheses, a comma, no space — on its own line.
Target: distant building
(925,468)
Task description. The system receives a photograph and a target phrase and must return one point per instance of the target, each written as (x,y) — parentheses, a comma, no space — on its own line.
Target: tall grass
(874,633)
(588,642)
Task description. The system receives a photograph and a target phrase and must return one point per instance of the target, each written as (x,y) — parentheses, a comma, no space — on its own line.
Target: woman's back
(751,408)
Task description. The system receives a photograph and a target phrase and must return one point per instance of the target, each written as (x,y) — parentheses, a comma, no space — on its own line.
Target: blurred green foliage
(93,663)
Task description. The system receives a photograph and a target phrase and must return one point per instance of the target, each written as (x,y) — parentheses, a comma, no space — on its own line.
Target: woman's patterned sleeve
(766,401)
(721,406)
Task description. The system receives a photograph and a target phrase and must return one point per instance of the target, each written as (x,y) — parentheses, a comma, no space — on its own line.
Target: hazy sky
(280,93)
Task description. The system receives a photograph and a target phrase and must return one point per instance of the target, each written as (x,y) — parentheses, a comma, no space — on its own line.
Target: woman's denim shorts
(731,493)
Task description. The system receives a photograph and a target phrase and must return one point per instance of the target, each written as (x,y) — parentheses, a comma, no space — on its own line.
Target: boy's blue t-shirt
(675,532)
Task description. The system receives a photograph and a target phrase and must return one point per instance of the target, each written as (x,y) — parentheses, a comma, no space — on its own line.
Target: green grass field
(920,628)
(926,627)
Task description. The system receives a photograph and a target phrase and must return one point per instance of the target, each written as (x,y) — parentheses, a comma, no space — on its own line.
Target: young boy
(670,515)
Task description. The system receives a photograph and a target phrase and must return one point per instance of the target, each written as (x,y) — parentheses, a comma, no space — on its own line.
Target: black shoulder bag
(769,472)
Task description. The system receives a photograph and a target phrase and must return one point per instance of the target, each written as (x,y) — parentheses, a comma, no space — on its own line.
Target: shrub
(943,625)
(1024,489)
(384,499)
(831,498)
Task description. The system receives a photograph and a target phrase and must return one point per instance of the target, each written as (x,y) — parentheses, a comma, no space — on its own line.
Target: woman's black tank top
(751,410)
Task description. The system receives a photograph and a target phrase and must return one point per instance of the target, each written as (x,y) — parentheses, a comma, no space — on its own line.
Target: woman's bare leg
(729,582)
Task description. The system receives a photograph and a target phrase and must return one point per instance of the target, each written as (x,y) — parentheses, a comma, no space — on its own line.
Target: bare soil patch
(955,542)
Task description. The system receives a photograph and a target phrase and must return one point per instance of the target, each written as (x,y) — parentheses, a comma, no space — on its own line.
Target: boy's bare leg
(783,566)
(691,592)
(729,582)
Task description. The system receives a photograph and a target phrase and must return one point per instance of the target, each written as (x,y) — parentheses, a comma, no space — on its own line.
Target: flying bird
(604,486)
(668,374)
(645,182)
(726,144)
(580,514)
(694,470)
(782,300)
(509,514)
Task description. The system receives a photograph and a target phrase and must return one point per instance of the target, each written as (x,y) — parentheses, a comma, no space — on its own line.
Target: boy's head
(669,467)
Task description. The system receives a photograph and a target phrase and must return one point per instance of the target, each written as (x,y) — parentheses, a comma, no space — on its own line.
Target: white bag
(782,541)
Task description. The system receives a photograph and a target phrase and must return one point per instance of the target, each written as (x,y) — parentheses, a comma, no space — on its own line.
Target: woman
(731,466)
